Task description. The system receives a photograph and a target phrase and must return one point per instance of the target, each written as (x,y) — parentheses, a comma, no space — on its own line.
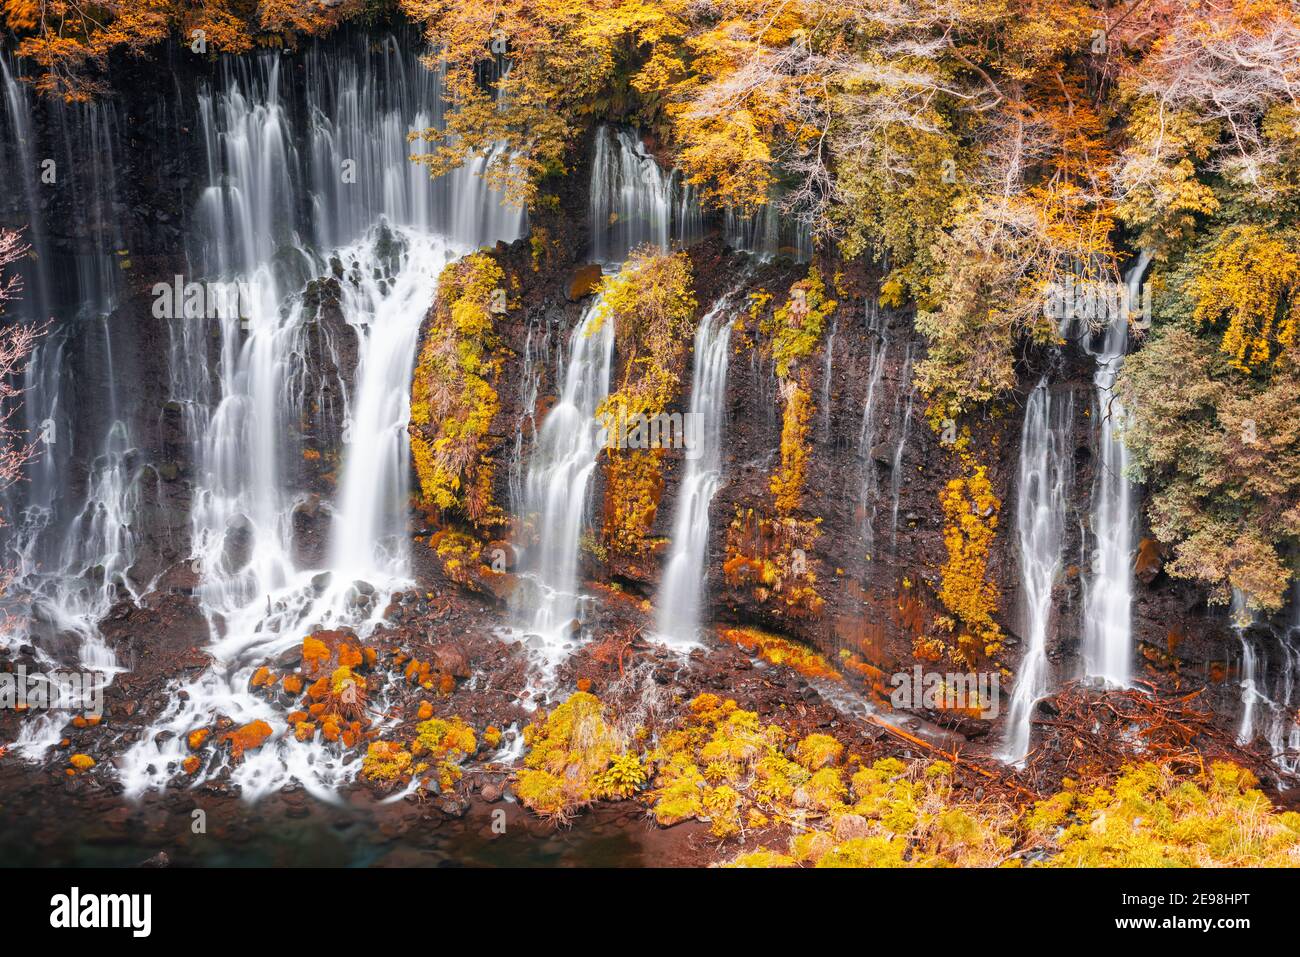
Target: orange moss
(315,655)
(191,765)
(787,484)
(780,651)
(773,556)
(196,739)
(81,762)
(250,737)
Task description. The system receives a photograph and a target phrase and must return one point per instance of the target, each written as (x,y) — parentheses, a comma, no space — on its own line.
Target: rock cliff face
(855,569)
(847,556)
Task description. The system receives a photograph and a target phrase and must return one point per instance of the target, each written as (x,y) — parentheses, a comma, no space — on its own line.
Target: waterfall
(896,465)
(869,431)
(635,202)
(546,604)
(1283,728)
(685,574)
(1108,605)
(828,368)
(369,526)
(70,538)
(765,234)
(1242,619)
(349,208)
(1041,489)
(1268,685)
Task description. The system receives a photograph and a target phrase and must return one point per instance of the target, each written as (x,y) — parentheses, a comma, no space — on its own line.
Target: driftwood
(1086,730)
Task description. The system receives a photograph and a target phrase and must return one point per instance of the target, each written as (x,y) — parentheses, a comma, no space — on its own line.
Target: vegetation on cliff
(652,305)
(980,153)
(453,399)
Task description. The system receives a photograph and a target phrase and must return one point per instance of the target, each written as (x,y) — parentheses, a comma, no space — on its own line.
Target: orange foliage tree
(72,40)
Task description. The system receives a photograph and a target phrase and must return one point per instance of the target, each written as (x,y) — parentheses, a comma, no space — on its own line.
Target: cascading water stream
(896,464)
(385,235)
(71,553)
(70,538)
(1108,606)
(828,371)
(1283,728)
(1268,683)
(1251,698)
(869,431)
(546,606)
(685,577)
(634,201)
(760,232)
(1041,489)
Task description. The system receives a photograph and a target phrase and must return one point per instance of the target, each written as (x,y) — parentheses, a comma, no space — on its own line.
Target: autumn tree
(1209,181)
(71,40)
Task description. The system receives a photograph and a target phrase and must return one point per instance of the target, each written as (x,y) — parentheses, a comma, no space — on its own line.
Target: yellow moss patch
(634,485)
(797,327)
(447,742)
(818,750)
(1151,817)
(575,757)
(461,554)
(763,858)
(81,762)
(453,399)
(385,761)
(970,525)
